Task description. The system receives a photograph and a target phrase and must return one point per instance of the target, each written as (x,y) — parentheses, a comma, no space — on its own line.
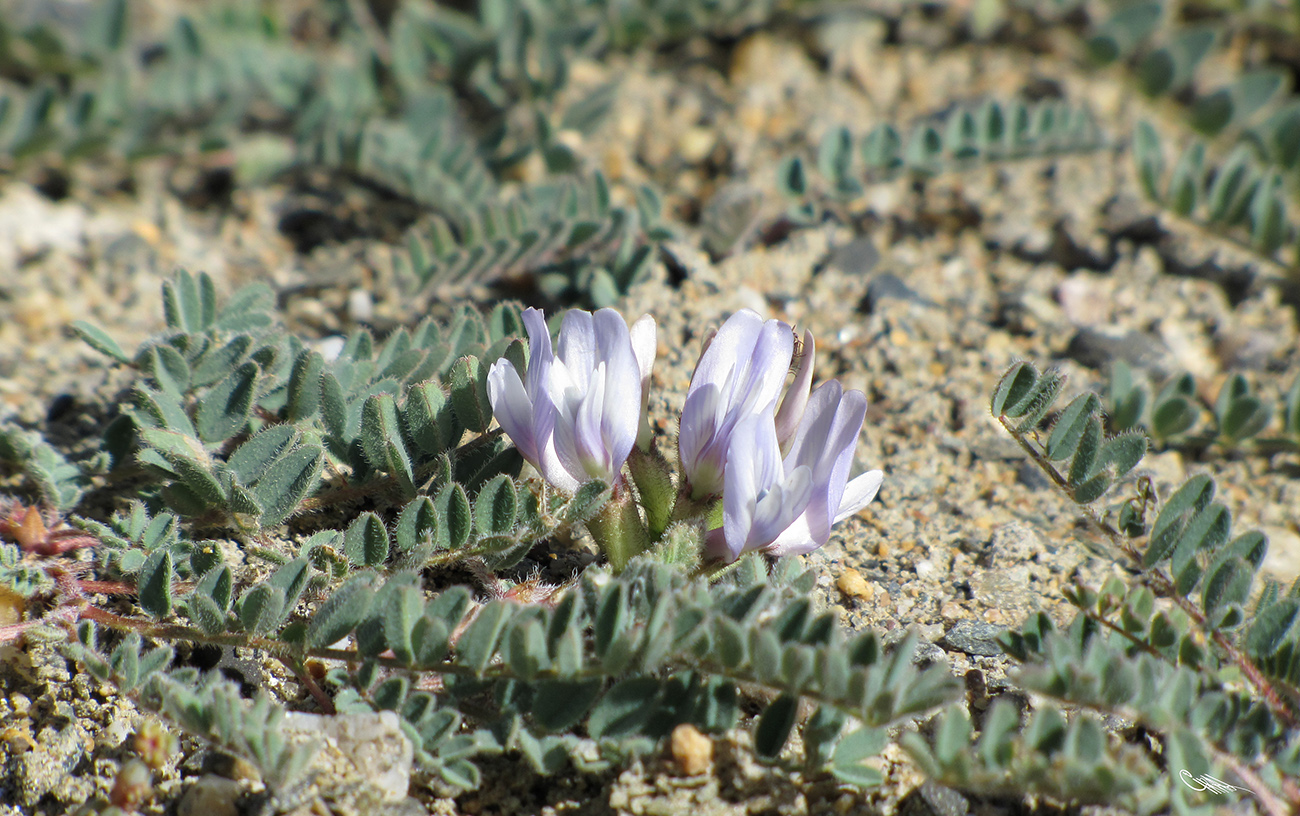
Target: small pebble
(211,796)
(853,585)
(692,751)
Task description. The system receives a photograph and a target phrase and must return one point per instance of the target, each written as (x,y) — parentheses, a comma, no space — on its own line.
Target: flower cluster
(778,462)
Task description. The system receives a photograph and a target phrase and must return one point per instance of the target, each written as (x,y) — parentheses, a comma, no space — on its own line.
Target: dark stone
(930,799)
(887,286)
(973,638)
(1096,348)
(1032,477)
(857,257)
(60,407)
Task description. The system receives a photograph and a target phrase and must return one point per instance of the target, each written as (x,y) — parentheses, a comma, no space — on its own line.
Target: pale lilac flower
(759,499)
(645,346)
(796,396)
(576,415)
(824,443)
(739,375)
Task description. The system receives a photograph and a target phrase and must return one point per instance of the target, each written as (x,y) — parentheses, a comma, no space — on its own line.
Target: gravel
(921,305)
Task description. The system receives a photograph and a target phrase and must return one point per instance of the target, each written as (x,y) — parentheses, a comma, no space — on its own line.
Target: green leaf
(341,612)
(1213,112)
(1120,454)
(1193,496)
(166,367)
(251,460)
(417,525)
(304,394)
(479,642)
(924,147)
(495,507)
(334,407)
(1157,71)
(1240,413)
(429,418)
(189,304)
(774,726)
(524,648)
(154,584)
(1187,181)
(1233,187)
(262,608)
(1253,90)
(1039,401)
(291,579)
(882,147)
(1069,427)
(1268,227)
(835,160)
(1082,466)
(625,708)
(455,518)
(855,748)
(1013,389)
(100,341)
(286,483)
(366,541)
(1273,627)
(792,177)
(1149,157)
(1117,37)
(431,640)
(469,396)
(1228,584)
(403,608)
(224,410)
(382,442)
(559,705)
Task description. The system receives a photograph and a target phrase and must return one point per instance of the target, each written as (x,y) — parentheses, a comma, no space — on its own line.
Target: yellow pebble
(853,585)
(692,751)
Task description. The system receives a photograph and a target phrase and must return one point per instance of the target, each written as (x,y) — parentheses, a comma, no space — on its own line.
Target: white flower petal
(858,493)
(513,409)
